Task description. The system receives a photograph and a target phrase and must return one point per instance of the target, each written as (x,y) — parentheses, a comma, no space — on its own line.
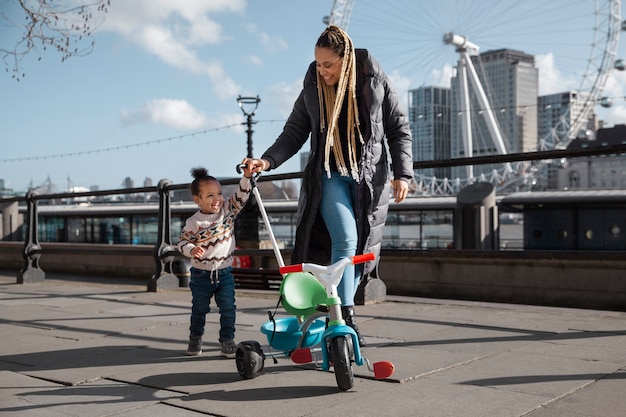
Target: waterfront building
(606,172)
(556,113)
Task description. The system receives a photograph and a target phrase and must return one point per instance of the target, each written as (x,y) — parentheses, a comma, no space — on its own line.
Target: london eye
(425,43)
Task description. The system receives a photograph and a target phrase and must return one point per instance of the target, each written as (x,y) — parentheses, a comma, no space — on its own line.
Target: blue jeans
(204,285)
(337,210)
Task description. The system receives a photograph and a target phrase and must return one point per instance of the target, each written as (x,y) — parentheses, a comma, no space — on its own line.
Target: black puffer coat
(383,125)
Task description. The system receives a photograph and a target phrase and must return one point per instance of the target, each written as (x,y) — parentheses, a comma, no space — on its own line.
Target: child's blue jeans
(205,285)
(337,210)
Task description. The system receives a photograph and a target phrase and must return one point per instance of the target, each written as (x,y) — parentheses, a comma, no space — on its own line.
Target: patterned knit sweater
(214,232)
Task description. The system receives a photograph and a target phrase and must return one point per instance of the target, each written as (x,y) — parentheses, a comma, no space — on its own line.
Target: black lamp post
(247,223)
(248,106)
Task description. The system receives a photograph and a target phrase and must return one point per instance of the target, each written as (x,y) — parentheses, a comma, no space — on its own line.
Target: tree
(65,26)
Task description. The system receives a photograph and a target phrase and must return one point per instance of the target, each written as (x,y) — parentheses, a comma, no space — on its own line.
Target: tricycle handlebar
(358,259)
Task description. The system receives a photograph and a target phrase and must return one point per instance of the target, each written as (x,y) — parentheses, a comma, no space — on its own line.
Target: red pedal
(383,369)
(302,355)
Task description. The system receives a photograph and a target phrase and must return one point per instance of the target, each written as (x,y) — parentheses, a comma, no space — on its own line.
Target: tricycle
(308,292)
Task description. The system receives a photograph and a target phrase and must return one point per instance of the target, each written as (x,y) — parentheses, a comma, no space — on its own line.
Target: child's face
(210,198)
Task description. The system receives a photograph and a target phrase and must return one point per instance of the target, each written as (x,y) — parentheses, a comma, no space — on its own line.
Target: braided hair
(331,100)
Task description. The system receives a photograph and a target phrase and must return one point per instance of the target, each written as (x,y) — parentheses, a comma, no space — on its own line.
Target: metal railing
(164,250)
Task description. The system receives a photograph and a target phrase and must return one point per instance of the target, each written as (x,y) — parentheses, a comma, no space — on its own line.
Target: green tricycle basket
(300,293)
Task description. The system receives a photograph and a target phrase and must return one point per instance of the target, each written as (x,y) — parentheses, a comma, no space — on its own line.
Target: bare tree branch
(66,26)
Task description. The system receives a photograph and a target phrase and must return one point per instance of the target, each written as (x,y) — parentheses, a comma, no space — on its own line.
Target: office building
(557,112)
(429,116)
(510,81)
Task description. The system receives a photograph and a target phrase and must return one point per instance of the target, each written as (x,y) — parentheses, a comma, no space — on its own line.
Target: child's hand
(197,252)
(248,169)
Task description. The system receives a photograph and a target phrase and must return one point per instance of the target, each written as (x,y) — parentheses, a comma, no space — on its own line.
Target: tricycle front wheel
(342,363)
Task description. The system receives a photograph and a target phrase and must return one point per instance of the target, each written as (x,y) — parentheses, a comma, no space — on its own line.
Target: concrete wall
(128,261)
(570,279)
(573,279)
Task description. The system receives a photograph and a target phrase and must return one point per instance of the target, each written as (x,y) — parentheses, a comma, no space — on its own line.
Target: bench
(257,278)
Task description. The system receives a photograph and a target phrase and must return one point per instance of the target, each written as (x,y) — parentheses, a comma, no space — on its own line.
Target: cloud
(175,32)
(614,89)
(615,115)
(615,84)
(401,85)
(179,115)
(551,80)
(270,44)
(284,95)
(174,113)
(254,60)
(441,77)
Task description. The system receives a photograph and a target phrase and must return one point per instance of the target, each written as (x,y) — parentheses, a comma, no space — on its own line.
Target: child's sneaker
(195,346)
(228,349)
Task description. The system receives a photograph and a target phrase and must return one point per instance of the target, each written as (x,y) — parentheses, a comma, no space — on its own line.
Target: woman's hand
(400,189)
(256,165)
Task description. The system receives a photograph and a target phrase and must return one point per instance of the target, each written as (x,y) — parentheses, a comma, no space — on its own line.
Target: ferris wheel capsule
(606,102)
(585,134)
(619,65)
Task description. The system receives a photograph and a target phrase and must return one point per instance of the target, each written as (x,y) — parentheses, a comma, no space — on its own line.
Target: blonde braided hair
(331,101)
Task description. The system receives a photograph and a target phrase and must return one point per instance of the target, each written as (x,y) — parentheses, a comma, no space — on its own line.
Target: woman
(353,117)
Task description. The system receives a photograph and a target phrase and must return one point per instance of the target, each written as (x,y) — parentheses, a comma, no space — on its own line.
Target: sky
(157,96)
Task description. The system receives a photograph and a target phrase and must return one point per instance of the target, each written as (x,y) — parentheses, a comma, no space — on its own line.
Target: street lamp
(248,106)
(247,230)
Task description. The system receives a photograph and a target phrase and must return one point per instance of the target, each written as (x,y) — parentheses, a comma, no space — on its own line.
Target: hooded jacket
(385,129)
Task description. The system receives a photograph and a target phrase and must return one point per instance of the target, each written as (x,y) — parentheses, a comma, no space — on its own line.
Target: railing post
(32,251)
(476,218)
(164,251)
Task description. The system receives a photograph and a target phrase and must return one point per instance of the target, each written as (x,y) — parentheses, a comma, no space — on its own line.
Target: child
(208,239)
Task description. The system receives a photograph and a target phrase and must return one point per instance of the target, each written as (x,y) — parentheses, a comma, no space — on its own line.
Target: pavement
(92,348)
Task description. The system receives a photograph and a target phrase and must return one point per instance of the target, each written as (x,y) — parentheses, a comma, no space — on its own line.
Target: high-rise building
(429,117)
(510,81)
(557,112)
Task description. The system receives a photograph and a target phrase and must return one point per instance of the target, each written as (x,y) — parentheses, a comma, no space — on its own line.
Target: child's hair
(200,175)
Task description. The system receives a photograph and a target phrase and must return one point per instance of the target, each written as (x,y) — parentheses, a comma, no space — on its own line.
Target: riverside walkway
(94,348)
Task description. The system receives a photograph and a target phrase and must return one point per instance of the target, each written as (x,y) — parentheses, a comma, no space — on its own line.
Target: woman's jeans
(337,210)
(205,285)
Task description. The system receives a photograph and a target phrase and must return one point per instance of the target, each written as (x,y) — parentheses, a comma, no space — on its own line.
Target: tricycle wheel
(250,359)
(342,364)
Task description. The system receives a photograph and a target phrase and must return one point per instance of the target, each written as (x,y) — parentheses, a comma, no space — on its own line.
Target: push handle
(359,259)
(254,177)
